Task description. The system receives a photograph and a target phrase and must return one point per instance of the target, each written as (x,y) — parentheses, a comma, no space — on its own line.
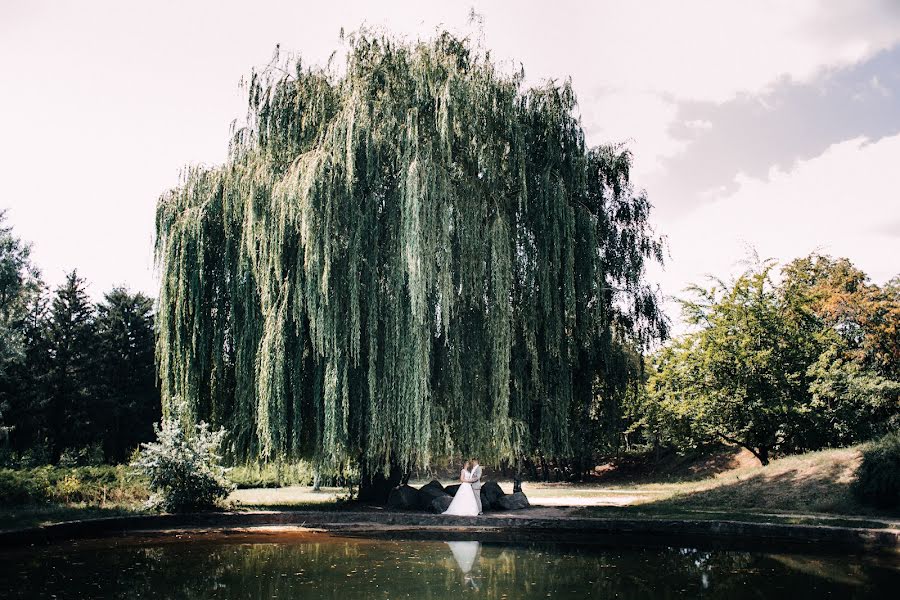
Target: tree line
(77,379)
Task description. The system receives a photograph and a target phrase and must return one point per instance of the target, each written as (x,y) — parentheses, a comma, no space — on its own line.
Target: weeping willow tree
(410,258)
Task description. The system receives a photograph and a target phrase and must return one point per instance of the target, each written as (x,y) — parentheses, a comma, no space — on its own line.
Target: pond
(325,566)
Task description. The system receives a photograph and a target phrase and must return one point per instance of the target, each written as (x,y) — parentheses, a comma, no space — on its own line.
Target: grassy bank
(48,494)
(817,482)
(811,488)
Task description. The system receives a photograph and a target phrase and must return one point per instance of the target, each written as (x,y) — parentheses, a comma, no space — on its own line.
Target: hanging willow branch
(414,258)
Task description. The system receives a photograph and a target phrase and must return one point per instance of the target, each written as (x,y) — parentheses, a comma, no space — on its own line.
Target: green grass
(42,495)
(812,489)
(270,475)
(99,485)
(816,482)
(288,498)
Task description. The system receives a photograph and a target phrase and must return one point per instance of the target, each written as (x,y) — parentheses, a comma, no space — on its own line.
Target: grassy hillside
(810,488)
(813,482)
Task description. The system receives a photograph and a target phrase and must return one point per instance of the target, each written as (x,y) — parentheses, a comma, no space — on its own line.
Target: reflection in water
(465,554)
(321,566)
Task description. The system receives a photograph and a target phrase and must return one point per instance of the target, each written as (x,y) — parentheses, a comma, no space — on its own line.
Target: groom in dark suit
(475,478)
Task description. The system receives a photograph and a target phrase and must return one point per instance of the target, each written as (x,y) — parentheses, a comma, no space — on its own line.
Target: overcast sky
(765,124)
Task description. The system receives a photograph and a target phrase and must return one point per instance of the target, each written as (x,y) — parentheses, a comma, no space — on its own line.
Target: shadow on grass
(825,489)
(670,466)
(22,517)
(336,506)
(812,494)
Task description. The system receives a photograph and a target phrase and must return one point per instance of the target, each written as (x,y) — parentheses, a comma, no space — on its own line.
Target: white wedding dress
(463,504)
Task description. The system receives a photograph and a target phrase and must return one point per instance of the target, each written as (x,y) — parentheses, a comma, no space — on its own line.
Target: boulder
(403,497)
(491,492)
(441,503)
(452,489)
(429,492)
(515,501)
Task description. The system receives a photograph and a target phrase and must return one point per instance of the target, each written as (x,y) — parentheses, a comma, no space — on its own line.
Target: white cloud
(639,119)
(837,203)
(633,62)
(698,124)
(136,91)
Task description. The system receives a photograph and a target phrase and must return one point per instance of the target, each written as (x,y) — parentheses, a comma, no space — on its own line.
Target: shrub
(184,472)
(878,478)
(98,486)
(22,487)
(79,457)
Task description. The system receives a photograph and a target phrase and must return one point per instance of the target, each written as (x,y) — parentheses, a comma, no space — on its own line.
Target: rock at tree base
(403,497)
(515,501)
(428,492)
(441,503)
(452,489)
(491,492)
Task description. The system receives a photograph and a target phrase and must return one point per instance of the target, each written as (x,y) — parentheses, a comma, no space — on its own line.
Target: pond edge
(723,534)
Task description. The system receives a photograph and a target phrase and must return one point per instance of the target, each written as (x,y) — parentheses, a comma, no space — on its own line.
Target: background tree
(855,381)
(415,258)
(72,375)
(796,365)
(19,287)
(128,396)
(748,362)
(27,385)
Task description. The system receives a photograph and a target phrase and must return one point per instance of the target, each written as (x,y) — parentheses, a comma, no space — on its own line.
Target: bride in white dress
(464,504)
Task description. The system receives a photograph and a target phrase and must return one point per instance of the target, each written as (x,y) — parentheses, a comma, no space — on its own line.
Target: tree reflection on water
(345,569)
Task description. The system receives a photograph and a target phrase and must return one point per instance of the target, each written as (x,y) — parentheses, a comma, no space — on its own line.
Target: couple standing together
(467,501)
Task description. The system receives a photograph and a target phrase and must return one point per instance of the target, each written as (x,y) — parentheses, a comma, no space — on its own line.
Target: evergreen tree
(128,397)
(28,398)
(72,374)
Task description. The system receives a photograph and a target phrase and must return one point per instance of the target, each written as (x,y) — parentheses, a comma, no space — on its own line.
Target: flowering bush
(184,472)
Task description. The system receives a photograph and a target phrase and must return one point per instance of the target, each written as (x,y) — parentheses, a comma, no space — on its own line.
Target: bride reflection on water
(466,555)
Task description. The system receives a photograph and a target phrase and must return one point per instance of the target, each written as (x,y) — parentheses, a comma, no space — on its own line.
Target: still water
(322,566)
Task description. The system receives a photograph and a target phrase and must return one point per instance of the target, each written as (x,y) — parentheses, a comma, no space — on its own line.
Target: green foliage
(857,402)
(96,486)
(878,478)
(19,284)
(77,381)
(22,487)
(127,388)
(91,455)
(72,341)
(781,367)
(279,474)
(742,375)
(413,258)
(19,281)
(183,471)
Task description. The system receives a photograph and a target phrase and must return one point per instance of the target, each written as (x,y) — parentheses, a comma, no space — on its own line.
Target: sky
(762,125)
